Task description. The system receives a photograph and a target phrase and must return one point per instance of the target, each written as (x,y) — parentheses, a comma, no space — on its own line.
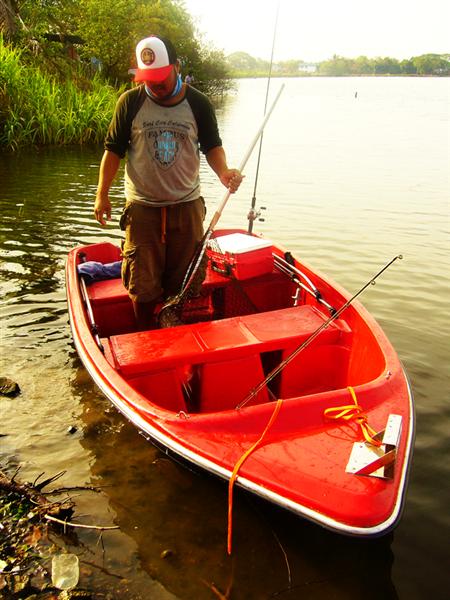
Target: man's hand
(102,208)
(231,179)
(108,169)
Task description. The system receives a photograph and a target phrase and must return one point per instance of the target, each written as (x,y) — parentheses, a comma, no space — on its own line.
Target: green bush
(37,109)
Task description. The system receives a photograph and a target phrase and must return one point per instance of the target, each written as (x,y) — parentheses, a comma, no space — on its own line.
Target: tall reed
(36,109)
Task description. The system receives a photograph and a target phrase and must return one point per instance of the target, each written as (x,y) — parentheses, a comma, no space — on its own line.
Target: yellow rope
(353,412)
(239,464)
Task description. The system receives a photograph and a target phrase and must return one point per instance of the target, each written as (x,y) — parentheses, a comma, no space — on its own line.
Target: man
(160,125)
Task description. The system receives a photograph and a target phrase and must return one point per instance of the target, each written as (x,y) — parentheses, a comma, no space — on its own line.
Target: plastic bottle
(65,571)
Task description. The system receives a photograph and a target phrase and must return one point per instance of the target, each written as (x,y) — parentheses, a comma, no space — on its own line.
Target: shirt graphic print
(166,141)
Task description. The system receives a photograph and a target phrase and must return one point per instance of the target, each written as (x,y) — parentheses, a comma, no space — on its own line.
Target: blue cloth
(92,271)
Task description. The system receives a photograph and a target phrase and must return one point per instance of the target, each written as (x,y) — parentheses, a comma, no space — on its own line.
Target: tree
(431,64)
(111,31)
(338,66)
(364,66)
(241,62)
(107,32)
(8,18)
(408,67)
(32,18)
(289,67)
(212,74)
(387,66)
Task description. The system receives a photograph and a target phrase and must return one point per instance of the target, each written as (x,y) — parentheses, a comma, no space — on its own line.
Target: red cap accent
(153,75)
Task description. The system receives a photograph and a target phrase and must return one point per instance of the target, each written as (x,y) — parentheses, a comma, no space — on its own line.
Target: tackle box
(241,256)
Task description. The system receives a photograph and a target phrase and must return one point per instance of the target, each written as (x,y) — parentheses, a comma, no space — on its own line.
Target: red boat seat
(279,329)
(103,252)
(109,291)
(228,351)
(155,350)
(112,307)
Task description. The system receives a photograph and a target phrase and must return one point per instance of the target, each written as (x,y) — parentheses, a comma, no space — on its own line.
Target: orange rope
(353,412)
(239,464)
(163,224)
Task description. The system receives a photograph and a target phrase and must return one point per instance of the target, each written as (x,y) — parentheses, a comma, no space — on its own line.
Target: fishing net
(214,293)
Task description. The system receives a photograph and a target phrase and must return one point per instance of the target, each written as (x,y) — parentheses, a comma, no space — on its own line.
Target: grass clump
(37,109)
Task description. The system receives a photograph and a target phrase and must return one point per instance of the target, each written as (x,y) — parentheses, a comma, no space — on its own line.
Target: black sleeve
(205,116)
(119,132)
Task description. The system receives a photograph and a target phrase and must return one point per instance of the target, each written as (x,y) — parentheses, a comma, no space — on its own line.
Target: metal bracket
(377,461)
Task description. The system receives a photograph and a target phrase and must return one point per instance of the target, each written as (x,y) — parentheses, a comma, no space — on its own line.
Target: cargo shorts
(159,245)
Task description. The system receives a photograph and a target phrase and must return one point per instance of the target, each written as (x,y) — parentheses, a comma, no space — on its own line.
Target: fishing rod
(254,214)
(312,337)
(198,256)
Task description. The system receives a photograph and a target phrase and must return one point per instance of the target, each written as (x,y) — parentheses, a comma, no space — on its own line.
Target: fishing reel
(254,214)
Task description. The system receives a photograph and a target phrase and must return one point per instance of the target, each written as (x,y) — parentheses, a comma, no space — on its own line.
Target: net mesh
(214,293)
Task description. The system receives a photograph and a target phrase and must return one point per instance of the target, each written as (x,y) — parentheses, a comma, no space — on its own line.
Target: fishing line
(312,337)
(252,213)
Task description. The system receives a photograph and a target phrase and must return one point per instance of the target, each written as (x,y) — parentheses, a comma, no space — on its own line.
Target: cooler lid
(237,243)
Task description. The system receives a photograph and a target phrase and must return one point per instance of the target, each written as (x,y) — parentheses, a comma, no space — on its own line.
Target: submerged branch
(68,523)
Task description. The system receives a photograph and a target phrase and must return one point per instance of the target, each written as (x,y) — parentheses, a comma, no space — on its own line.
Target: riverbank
(36,533)
(28,538)
(37,109)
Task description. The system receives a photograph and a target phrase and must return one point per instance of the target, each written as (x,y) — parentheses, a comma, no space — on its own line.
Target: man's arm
(108,170)
(231,178)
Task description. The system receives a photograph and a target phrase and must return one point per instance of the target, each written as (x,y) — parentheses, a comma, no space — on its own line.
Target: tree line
(63,64)
(426,64)
(101,36)
(243,65)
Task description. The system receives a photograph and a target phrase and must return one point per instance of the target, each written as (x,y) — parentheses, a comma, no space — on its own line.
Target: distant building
(307,67)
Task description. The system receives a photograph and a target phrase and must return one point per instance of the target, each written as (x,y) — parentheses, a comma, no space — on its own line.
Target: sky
(316,30)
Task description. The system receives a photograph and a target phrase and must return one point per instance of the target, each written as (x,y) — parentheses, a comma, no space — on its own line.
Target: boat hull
(302,463)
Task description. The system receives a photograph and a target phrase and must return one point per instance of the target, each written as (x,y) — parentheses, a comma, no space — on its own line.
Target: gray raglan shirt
(162,144)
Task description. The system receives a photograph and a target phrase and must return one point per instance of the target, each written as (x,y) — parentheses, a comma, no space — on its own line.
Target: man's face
(163,89)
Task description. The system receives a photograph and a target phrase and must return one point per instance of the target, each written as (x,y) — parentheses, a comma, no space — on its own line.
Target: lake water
(353,172)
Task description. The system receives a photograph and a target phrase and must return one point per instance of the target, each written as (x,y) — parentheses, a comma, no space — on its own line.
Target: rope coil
(354,412)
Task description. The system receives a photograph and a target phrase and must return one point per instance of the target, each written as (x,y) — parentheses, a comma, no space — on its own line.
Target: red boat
(276,378)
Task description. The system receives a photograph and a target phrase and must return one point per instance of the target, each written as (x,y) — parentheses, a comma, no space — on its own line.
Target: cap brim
(153,75)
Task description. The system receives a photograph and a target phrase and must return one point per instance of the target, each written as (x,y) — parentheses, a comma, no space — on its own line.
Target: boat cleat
(377,461)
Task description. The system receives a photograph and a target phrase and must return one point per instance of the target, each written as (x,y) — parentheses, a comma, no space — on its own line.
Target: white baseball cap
(155,58)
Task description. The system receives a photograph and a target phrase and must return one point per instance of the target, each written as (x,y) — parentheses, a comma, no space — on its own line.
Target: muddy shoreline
(36,525)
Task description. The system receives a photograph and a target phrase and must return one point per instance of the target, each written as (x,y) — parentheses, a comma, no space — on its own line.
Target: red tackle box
(241,256)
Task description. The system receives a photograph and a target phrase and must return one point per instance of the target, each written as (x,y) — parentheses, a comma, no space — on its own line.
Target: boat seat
(113,310)
(111,291)
(108,291)
(228,339)
(279,329)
